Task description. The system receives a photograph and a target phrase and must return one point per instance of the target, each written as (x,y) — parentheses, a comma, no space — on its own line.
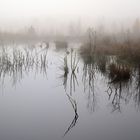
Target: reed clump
(74,61)
(60,45)
(16,61)
(119,73)
(127,48)
(66,68)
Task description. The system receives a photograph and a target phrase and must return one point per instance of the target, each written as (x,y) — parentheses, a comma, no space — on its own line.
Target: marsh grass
(124,46)
(119,73)
(61,45)
(69,70)
(16,61)
(74,61)
(66,68)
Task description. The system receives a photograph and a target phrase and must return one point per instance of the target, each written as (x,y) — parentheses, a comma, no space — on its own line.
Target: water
(39,101)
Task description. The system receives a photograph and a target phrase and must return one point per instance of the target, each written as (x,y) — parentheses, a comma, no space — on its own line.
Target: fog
(108,8)
(69,69)
(17,14)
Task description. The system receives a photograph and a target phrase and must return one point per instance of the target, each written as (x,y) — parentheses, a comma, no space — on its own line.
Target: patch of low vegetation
(119,73)
(61,45)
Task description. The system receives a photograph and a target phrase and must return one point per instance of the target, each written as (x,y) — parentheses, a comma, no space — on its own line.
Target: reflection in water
(115,97)
(137,93)
(70,69)
(65,69)
(72,81)
(121,79)
(74,121)
(120,75)
(93,64)
(88,80)
(74,65)
(17,61)
(122,85)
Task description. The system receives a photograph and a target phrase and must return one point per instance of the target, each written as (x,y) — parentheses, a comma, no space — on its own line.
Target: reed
(74,61)
(16,61)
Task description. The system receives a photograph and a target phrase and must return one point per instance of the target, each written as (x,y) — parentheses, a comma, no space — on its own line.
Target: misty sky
(36,8)
(37,12)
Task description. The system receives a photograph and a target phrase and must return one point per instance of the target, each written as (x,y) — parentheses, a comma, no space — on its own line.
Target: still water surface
(39,101)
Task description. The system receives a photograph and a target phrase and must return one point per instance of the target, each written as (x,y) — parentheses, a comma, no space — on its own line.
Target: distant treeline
(74,33)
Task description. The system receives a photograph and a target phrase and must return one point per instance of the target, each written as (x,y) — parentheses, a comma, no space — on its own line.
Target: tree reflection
(120,79)
(137,93)
(88,80)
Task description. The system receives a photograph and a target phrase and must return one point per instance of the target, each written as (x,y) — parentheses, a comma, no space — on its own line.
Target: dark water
(40,101)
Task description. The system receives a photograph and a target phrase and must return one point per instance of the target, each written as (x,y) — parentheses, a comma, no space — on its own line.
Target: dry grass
(128,49)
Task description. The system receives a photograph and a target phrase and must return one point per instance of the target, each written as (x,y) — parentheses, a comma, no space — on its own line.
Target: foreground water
(40,101)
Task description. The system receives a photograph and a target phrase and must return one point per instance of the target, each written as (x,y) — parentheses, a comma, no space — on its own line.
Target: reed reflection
(69,67)
(16,62)
(74,121)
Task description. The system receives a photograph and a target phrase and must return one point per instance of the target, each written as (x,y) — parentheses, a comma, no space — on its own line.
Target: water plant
(17,61)
(74,62)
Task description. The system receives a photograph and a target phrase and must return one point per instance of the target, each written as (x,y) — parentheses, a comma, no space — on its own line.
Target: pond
(50,93)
